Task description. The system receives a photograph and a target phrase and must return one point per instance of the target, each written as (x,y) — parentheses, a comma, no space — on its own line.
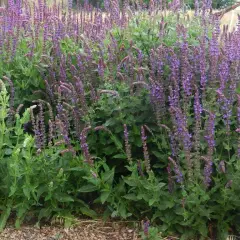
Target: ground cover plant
(120,113)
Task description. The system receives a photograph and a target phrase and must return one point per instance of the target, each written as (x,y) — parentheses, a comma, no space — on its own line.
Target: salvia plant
(133,107)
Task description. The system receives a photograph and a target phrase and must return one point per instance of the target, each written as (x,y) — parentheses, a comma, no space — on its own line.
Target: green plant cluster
(55,182)
(216,4)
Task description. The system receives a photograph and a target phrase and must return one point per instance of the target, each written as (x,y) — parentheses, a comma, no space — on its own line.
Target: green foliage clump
(216,4)
(147,32)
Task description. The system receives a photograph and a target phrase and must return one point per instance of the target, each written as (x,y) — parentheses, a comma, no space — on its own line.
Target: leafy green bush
(216,4)
(45,184)
(143,31)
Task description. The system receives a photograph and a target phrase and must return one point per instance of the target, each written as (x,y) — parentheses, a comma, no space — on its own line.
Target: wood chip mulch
(83,230)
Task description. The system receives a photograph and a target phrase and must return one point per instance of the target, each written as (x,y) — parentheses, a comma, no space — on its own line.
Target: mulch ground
(83,230)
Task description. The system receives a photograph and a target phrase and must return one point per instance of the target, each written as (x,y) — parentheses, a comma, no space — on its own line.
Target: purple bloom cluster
(170,179)
(210,134)
(158,100)
(84,146)
(176,169)
(238,121)
(127,145)
(184,136)
(145,149)
(226,108)
(208,169)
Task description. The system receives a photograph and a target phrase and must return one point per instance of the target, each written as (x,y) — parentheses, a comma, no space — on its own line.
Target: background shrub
(215,3)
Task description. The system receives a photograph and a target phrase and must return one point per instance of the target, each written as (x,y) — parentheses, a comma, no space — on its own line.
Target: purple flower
(197,112)
(158,100)
(175,74)
(223,73)
(207,171)
(203,64)
(101,67)
(175,5)
(170,179)
(238,121)
(70,3)
(107,5)
(145,149)
(186,73)
(209,137)
(222,167)
(196,7)
(139,167)
(176,169)
(84,146)
(229,184)
(214,53)
(146,225)
(210,133)
(197,106)
(180,123)
(127,145)
(226,108)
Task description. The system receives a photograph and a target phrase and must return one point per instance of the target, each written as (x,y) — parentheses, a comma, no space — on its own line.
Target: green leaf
(4,217)
(21,213)
(120,156)
(131,183)
(202,228)
(62,197)
(13,189)
(26,191)
(45,213)
(157,154)
(151,201)
(75,169)
(104,196)
(8,151)
(227,146)
(131,196)
(110,122)
(88,212)
(108,176)
(88,188)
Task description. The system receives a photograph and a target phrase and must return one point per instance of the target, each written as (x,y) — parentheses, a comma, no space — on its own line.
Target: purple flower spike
(207,171)
(127,145)
(176,169)
(145,149)
(84,146)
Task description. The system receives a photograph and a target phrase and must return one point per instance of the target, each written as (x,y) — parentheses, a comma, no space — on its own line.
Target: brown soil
(83,230)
